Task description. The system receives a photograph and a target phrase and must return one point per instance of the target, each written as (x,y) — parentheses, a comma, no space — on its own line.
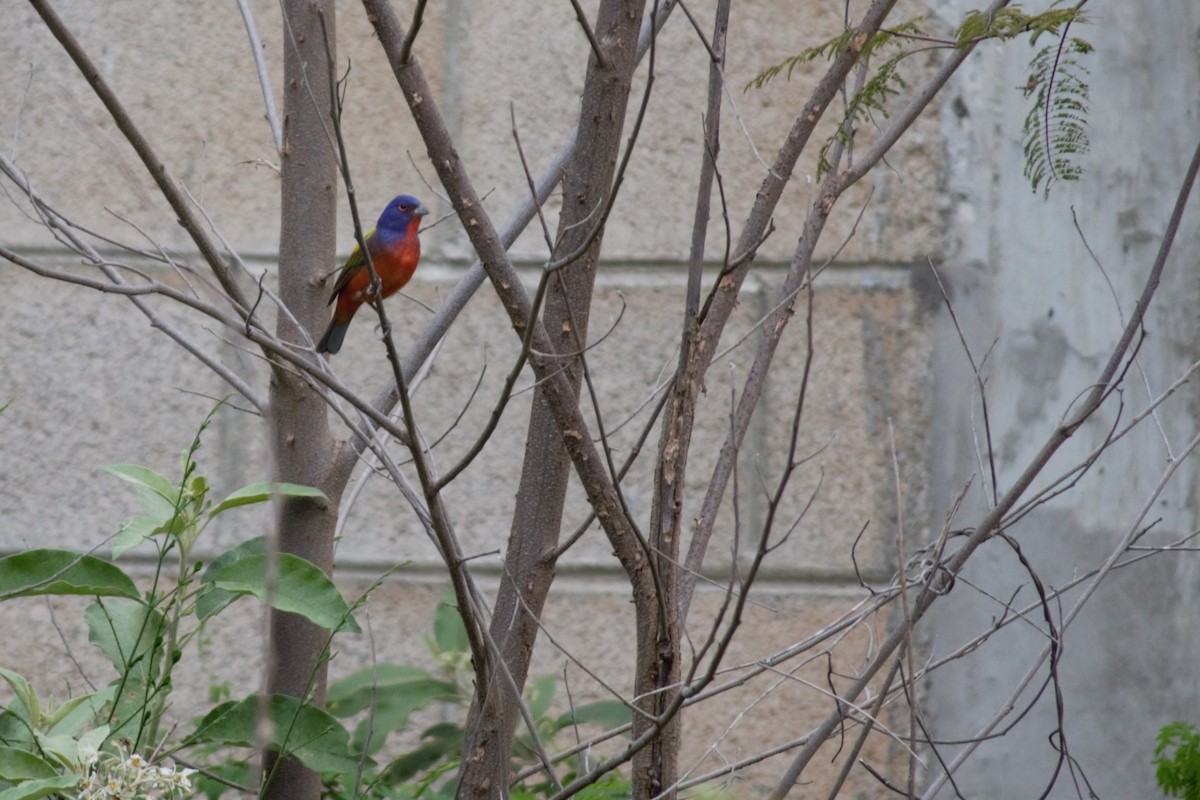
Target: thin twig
(590,34)
(264,76)
(413,29)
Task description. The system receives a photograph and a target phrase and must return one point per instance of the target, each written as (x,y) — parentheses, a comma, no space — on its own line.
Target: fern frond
(1055,130)
(830,48)
(884,84)
(1012,21)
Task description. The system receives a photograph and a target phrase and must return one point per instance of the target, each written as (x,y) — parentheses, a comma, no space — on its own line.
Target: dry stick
(274,297)
(634,452)
(590,34)
(720,303)
(980,383)
(413,29)
(556,386)
(117,285)
(271,346)
(800,276)
(765,546)
(993,520)
(668,488)
(268,343)
(525,212)
(506,281)
(1055,486)
(156,168)
(592,176)
(832,188)
(906,649)
(506,391)
(694,688)
(264,76)
(458,298)
(470,605)
(862,614)
(1051,649)
(1121,316)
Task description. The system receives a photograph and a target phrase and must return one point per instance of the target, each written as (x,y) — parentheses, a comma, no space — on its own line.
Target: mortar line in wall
(653,264)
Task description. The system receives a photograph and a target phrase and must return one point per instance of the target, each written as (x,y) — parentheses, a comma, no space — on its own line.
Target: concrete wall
(91,384)
(1032,299)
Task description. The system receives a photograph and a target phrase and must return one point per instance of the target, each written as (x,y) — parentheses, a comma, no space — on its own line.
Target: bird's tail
(331,342)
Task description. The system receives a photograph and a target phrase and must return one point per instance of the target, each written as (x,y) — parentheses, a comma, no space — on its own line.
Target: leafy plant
(93,745)
(1012,21)
(1178,771)
(1054,131)
(383,699)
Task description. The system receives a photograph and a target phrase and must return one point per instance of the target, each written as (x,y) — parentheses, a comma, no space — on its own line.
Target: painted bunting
(395,251)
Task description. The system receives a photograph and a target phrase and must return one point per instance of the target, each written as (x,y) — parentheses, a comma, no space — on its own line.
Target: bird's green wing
(353,264)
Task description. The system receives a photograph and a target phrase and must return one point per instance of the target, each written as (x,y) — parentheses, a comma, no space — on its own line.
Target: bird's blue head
(399,213)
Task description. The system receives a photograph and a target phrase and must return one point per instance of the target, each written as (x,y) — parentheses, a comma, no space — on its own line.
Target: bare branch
(590,34)
(115,284)
(992,520)
(264,76)
(413,29)
(141,145)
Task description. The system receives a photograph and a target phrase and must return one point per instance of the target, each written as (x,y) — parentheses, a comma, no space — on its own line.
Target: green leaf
(541,694)
(353,693)
(261,492)
(448,630)
(302,589)
(61,748)
(14,728)
(19,765)
(237,773)
(608,714)
(38,572)
(26,695)
(298,729)
(158,507)
(1055,138)
(79,714)
(125,631)
(31,790)
(212,600)
(64,718)
(438,742)
(133,532)
(1179,773)
(144,476)
(393,692)
(130,634)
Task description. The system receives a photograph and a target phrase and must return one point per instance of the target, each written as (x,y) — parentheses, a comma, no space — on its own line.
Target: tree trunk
(537,520)
(299,428)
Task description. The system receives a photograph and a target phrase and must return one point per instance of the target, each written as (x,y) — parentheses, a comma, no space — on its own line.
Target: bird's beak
(420,210)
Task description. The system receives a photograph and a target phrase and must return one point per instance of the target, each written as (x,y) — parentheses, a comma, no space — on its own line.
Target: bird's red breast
(395,258)
(394,249)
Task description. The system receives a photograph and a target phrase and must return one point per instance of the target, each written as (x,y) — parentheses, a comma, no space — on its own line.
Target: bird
(395,251)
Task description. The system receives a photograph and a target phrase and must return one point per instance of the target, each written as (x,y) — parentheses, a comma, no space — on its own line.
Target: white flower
(182,778)
(88,755)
